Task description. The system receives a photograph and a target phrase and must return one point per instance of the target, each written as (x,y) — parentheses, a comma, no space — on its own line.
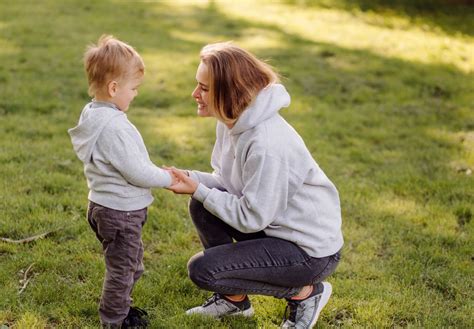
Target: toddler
(119,174)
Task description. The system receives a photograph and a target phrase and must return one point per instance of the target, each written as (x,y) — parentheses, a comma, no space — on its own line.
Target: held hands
(181,183)
(174,178)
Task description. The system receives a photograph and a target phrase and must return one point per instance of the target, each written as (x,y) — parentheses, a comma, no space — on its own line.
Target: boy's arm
(123,152)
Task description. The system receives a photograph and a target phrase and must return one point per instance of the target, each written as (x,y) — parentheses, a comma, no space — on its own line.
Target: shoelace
(213,299)
(292,306)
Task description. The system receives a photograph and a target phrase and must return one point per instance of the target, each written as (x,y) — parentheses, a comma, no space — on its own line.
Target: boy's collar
(96,104)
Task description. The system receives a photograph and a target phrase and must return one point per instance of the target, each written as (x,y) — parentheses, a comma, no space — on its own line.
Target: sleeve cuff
(168,179)
(201,193)
(194,176)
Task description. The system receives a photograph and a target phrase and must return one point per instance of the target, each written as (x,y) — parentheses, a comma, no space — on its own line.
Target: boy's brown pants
(120,233)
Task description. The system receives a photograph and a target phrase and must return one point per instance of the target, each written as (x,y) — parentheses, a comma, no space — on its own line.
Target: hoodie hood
(94,117)
(267,103)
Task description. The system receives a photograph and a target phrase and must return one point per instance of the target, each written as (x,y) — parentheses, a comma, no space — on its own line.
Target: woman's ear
(112,88)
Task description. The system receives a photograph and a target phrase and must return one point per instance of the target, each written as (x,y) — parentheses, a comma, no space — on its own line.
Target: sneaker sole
(247,313)
(322,302)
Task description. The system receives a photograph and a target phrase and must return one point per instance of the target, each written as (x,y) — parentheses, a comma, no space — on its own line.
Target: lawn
(382,93)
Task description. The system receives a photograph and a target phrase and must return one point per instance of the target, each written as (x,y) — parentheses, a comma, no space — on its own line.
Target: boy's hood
(267,103)
(94,117)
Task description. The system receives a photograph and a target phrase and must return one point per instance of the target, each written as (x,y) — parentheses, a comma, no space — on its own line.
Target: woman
(266,192)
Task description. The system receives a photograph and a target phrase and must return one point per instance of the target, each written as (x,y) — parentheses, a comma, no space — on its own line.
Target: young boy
(119,174)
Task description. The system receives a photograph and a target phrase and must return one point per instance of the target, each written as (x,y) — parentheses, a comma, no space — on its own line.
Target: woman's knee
(193,259)
(197,270)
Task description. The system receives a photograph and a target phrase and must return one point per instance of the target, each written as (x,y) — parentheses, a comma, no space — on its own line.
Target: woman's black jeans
(255,264)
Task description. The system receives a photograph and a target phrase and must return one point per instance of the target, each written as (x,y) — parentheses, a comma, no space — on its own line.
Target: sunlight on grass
(256,38)
(176,131)
(185,133)
(8,47)
(196,36)
(435,219)
(401,40)
(31,321)
(464,140)
(399,207)
(162,63)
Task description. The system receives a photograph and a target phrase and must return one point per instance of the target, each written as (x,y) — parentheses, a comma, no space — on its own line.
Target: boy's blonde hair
(111,59)
(235,78)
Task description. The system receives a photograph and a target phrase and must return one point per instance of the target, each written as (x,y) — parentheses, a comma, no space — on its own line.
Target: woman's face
(201,92)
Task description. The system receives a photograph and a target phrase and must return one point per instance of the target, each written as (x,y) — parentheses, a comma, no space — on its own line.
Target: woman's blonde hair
(235,78)
(110,59)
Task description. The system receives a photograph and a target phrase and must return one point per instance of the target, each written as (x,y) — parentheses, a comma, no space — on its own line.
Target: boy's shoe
(217,306)
(305,313)
(136,318)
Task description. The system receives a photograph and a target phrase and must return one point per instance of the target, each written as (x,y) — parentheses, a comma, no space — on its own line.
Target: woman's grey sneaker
(305,313)
(218,306)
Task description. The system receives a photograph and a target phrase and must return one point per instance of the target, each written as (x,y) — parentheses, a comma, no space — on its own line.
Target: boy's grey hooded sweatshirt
(272,182)
(118,169)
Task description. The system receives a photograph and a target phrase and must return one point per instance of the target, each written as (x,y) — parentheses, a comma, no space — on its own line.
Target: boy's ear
(112,88)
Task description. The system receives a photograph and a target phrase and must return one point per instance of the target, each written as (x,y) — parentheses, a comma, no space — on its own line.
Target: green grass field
(383,95)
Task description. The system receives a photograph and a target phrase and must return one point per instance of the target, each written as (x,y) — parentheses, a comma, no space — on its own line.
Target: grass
(382,94)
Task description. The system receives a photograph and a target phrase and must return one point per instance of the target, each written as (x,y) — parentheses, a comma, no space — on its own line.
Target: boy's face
(126,91)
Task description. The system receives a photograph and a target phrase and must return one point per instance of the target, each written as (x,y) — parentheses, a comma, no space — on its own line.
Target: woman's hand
(174,178)
(185,184)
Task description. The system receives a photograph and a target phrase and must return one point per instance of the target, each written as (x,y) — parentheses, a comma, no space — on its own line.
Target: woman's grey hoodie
(266,179)
(117,166)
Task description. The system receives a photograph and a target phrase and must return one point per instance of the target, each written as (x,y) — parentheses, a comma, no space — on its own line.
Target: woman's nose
(195,93)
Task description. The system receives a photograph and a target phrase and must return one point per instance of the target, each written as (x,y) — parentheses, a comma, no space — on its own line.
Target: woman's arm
(265,194)
(211,180)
